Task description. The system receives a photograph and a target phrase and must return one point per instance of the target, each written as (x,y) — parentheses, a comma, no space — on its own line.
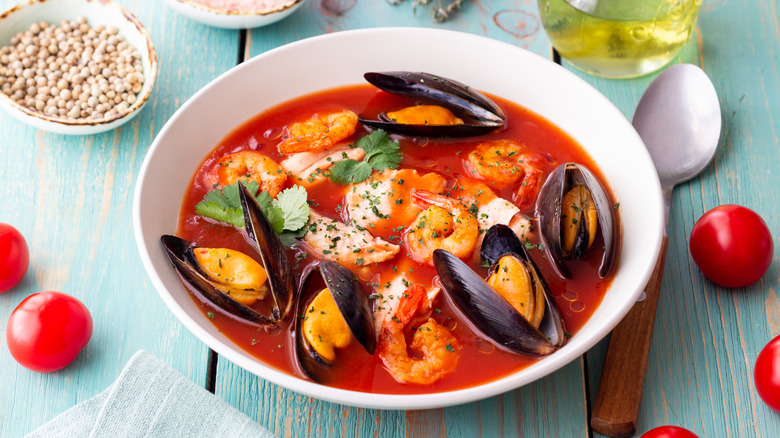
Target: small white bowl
(233,19)
(104,12)
(485,64)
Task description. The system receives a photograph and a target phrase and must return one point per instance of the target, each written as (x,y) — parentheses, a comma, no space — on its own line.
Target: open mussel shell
(490,313)
(549,210)
(501,240)
(353,304)
(480,115)
(180,252)
(281,282)
(273,259)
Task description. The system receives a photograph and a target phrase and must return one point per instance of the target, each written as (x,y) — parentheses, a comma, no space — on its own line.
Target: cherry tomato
(669,432)
(767,374)
(14,257)
(47,331)
(731,245)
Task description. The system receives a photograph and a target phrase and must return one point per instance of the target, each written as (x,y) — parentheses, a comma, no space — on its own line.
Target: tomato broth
(480,361)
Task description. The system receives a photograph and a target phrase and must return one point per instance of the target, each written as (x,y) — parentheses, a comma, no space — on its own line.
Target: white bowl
(104,12)
(233,19)
(485,64)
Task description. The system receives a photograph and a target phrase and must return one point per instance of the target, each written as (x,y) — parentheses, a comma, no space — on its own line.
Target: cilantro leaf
(293,205)
(224,205)
(350,171)
(289,238)
(381,153)
(231,196)
(274,215)
(215,211)
(288,214)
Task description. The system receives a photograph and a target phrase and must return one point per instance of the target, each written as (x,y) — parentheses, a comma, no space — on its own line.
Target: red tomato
(47,331)
(732,246)
(14,257)
(669,432)
(767,374)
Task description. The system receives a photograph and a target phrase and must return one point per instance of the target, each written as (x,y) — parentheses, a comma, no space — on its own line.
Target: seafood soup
(410,235)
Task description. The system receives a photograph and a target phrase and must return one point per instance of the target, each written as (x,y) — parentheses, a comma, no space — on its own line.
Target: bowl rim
(562,357)
(227,12)
(141,99)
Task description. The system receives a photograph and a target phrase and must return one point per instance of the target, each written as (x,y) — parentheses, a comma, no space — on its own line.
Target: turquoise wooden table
(71,197)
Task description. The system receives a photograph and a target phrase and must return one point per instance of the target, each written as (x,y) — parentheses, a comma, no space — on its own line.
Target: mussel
(537,331)
(572,207)
(232,280)
(451,109)
(330,318)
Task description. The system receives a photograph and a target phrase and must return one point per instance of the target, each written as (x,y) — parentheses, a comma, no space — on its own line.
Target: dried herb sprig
(441,10)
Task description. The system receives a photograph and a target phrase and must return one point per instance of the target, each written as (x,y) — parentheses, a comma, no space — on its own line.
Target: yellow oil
(619,38)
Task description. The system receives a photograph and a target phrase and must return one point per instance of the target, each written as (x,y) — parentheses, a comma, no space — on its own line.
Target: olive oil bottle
(619,38)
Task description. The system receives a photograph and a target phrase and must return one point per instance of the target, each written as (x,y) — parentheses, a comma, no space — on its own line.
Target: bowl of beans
(235,14)
(74,66)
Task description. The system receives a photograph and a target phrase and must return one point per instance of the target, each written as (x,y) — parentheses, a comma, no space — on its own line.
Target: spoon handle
(623,377)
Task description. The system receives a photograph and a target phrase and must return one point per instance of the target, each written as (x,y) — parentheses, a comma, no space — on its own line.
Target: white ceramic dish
(486,64)
(104,12)
(233,19)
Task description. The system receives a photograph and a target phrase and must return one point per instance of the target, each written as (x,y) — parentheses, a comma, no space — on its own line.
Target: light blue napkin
(151,399)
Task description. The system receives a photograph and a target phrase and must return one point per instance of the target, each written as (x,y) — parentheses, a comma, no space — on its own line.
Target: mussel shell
(281,282)
(501,240)
(435,131)
(487,310)
(273,258)
(181,254)
(479,114)
(548,208)
(351,300)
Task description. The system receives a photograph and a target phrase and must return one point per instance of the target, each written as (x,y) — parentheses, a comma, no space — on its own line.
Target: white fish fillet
(387,195)
(346,244)
(307,168)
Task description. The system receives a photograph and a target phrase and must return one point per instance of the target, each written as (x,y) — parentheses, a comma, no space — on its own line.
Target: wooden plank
(71,196)
(523,412)
(707,337)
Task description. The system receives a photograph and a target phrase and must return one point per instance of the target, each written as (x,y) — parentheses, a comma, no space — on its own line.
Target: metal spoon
(678,118)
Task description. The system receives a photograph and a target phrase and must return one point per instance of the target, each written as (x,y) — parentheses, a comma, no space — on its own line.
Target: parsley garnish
(288,214)
(381,153)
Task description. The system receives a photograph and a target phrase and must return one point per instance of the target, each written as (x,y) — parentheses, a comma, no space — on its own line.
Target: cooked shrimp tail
(445,223)
(320,132)
(506,163)
(438,348)
(252,166)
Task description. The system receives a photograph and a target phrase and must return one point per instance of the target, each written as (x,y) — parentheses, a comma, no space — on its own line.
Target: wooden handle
(623,376)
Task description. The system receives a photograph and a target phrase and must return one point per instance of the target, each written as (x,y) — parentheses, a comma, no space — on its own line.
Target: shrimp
(320,132)
(444,224)
(438,347)
(252,166)
(505,163)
